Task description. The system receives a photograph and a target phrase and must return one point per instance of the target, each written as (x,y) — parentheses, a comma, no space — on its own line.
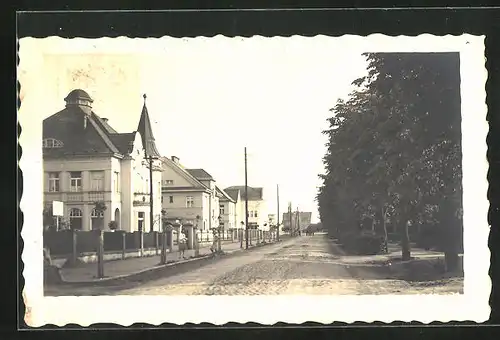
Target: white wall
(84,164)
(178,208)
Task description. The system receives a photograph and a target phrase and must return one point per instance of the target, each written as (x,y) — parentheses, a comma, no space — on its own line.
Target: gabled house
(189,195)
(87,163)
(239,207)
(257,208)
(227,210)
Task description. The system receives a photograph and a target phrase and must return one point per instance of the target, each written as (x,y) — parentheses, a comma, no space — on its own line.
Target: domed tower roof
(78,94)
(79,98)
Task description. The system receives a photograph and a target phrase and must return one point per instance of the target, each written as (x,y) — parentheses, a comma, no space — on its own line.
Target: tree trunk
(405,243)
(451,260)
(384,216)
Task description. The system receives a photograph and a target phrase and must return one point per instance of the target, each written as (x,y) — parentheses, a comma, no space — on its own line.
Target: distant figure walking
(215,242)
(182,244)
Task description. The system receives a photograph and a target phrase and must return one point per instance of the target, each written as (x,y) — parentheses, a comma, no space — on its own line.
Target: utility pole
(298,222)
(290,217)
(246,199)
(278,219)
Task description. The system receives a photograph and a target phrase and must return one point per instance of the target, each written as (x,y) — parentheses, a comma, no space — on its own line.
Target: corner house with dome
(88,165)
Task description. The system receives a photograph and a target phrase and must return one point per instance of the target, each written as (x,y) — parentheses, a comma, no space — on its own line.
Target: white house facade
(257,207)
(86,162)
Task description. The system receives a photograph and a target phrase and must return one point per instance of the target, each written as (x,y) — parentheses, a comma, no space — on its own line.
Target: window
(221,209)
(116,181)
(168,182)
(255,214)
(96,180)
(171,199)
(75,218)
(189,202)
(250,213)
(75,183)
(53,181)
(50,143)
(96,214)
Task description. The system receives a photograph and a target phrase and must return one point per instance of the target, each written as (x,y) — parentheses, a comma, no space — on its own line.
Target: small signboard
(57,208)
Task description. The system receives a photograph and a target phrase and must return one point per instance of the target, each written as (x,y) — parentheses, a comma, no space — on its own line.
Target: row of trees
(394,153)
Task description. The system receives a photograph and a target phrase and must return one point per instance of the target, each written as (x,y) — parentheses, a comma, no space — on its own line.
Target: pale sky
(210,98)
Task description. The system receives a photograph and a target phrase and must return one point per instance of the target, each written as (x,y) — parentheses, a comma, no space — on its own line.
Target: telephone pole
(290,217)
(278,215)
(298,222)
(246,200)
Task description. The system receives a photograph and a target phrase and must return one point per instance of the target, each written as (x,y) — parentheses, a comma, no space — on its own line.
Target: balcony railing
(80,196)
(95,196)
(74,197)
(141,198)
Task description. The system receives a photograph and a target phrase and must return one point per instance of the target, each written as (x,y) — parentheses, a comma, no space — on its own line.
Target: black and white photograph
(271,174)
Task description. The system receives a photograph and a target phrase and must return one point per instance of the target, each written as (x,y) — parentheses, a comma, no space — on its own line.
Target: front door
(140,221)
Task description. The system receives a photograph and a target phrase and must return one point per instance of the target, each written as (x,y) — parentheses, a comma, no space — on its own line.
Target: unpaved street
(302,265)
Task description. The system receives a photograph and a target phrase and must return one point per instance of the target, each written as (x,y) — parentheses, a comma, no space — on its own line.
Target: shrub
(113,225)
(362,243)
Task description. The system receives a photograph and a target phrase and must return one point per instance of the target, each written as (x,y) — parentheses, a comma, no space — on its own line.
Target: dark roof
(254,194)
(200,174)
(233,193)
(83,132)
(78,94)
(176,188)
(123,141)
(148,140)
(105,125)
(77,136)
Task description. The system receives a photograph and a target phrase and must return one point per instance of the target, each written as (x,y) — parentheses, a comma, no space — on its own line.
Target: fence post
(124,245)
(74,249)
(164,247)
(157,242)
(100,254)
(141,242)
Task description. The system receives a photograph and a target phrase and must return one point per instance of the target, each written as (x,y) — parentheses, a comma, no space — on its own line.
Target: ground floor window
(97,218)
(75,219)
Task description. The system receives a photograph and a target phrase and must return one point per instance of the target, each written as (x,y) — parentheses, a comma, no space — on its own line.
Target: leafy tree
(394,149)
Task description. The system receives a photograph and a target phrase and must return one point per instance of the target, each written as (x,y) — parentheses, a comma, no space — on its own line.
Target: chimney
(175,159)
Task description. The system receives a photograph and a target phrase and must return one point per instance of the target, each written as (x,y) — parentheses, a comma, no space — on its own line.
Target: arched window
(75,212)
(49,143)
(96,214)
(75,218)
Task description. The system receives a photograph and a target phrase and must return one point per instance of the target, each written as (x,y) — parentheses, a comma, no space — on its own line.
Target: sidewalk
(394,254)
(88,272)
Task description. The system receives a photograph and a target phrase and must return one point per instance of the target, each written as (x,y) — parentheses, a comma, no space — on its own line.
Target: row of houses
(88,164)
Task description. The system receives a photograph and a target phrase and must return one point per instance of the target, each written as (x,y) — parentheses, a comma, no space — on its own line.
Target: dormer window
(49,143)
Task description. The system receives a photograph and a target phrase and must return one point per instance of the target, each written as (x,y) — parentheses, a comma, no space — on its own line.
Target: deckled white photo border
(126,310)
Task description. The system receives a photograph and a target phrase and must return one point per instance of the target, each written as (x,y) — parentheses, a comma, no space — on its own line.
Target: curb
(157,271)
